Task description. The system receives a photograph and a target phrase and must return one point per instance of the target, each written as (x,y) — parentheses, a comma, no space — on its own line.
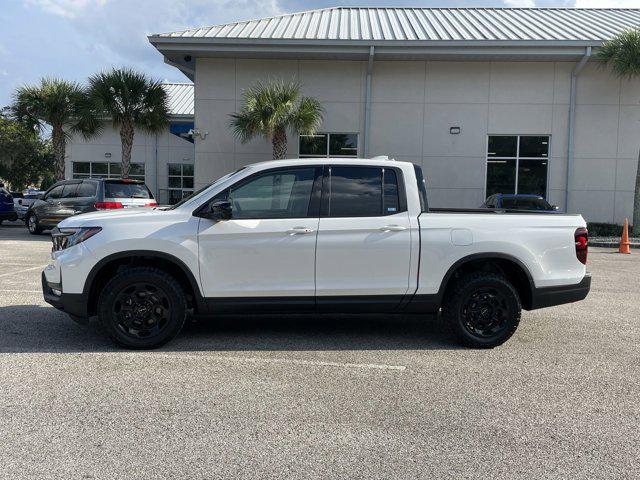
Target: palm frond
(622,54)
(275,106)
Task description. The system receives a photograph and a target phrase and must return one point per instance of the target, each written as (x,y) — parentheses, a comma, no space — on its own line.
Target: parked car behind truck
(72,197)
(7,210)
(315,235)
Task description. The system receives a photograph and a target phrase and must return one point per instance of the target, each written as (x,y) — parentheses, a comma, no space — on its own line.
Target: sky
(72,39)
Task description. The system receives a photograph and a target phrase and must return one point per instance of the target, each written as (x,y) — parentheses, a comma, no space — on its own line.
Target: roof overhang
(182,52)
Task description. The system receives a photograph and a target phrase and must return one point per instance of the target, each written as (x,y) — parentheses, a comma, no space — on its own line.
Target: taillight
(107,205)
(151,204)
(582,244)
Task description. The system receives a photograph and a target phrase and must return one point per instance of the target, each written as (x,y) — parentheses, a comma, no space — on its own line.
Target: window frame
(402,195)
(182,176)
(517,159)
(109,175)
(313,211)
(327,154)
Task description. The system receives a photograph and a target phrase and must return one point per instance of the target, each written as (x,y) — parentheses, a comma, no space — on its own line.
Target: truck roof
(380,161)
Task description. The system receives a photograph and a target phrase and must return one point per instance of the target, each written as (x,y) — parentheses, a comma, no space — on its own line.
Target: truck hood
(97,219)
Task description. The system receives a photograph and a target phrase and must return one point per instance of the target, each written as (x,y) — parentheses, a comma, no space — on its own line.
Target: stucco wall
(414,104)
(170,148)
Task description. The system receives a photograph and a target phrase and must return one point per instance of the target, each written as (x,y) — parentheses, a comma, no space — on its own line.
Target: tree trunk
(59,147)
(279,142)
(636,203)
(126,137)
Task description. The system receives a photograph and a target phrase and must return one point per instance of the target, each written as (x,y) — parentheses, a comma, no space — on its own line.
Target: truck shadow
(34,328)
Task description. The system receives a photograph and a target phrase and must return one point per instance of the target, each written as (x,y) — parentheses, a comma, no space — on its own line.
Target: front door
(364,240)
(267,248)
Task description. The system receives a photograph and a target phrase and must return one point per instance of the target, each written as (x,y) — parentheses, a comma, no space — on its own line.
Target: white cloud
(116,30)
(66,8)
(607,4)
(520,3)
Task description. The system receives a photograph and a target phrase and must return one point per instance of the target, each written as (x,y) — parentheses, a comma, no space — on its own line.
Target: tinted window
(502,146)
(126,190)
(87,189)
(355,192)
(534,146)
(55,192)
(526,203)
(343,144)
(391,195)
(313,145)
(69,190)
(280,194)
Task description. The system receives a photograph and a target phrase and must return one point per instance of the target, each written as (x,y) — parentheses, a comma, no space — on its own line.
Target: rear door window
(355,191)
(126,190)
(87,189)
(70,190)
(55,192)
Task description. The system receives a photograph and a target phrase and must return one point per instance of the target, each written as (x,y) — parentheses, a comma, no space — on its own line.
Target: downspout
(367,102)
(571,127)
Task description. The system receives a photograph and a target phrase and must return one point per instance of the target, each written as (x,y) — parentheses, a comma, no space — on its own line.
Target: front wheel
(32,225)
(482,309)
(142,307)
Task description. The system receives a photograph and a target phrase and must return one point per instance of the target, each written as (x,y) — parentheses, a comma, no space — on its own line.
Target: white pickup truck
(314,235)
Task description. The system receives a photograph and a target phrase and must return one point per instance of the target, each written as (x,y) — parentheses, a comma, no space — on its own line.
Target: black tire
(482,309)
(33,225)
(142,308)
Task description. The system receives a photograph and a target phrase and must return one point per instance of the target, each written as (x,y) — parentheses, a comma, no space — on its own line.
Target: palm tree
(131,100)
(622,55)
(60,104)
(269,110)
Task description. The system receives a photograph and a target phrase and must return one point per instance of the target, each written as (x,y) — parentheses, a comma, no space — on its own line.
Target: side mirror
(220,210)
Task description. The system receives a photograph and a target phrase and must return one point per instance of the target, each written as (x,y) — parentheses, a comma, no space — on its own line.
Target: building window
(517,164)
(179,181)
(329,145)
(106,170)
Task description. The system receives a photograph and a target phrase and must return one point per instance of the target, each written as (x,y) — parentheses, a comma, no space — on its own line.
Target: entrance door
(267,248)
(364,239)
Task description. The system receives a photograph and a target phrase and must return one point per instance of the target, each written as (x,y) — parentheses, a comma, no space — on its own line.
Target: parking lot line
(286,361)
(21,271)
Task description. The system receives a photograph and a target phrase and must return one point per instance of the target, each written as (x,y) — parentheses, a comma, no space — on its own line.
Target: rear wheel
(142,308)
(32,225)
(482,309)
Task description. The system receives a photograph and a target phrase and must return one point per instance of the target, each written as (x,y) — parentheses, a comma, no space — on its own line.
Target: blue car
(519,202)
(7,210)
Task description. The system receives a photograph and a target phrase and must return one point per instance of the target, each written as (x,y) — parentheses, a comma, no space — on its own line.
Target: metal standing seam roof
(180,98)
(427,24)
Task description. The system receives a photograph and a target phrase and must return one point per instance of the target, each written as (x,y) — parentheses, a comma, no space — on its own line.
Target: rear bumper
(74,304)
(550,296)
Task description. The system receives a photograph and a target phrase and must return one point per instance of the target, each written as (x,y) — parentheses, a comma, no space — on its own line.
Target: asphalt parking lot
(322,397)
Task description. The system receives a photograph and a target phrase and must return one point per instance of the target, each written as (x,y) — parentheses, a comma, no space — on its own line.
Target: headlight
(69,236)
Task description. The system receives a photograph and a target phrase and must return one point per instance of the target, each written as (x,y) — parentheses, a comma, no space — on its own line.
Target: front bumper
(74,304)
(550,296)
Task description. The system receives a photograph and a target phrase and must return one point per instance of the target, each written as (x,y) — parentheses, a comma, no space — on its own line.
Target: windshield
(206,187)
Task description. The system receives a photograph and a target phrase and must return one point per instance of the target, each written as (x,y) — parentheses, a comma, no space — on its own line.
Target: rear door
(267,249)
(128,193)
(364,238)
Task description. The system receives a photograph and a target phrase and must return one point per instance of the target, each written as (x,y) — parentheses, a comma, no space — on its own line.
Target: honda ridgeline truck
(314,235)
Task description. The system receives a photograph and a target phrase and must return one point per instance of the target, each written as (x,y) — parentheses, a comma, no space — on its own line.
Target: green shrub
(605,229)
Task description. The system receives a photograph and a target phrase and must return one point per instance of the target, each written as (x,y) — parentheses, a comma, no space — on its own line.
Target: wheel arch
(512,268)
(108,266)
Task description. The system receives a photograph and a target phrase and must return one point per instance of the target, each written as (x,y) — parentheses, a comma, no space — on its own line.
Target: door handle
(392,228)
(300,231)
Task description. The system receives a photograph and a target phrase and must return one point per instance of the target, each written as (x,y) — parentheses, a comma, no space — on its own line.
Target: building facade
(513,103)
(165,161)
